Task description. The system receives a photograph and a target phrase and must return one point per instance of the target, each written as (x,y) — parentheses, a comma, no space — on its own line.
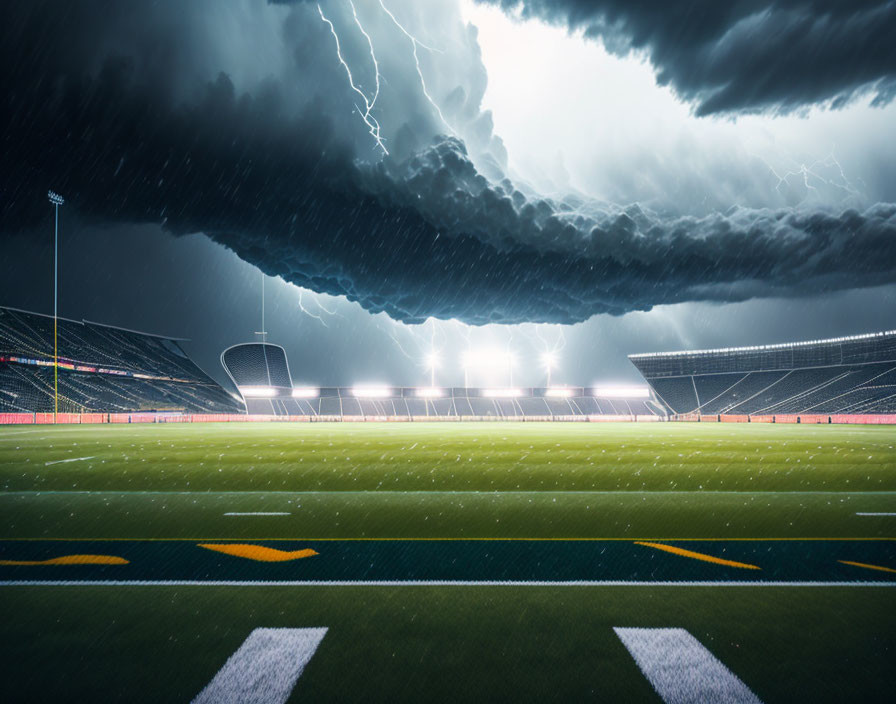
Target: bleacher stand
(851,375)
(101,369)
(404,403)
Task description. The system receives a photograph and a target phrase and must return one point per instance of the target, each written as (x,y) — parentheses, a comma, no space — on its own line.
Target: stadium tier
(849,375)
(421,403)
(101,369)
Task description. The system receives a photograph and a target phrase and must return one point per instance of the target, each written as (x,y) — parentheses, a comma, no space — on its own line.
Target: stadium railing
(98,418)
(728,418)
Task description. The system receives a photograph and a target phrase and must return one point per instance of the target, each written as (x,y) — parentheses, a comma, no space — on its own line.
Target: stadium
(448,351)
(497,531)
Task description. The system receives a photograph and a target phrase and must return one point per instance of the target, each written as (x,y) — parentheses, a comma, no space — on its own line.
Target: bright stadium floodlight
(558,392)
(502,393)
(430,392)
(258,391)
(305,392)
(549,362)
(622,391)
(371,391)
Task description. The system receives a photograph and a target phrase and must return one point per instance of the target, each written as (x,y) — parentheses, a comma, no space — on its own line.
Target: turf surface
(154,644)
(393,501)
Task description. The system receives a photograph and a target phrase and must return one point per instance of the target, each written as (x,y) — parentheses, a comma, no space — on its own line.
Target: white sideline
(73,459)
(681,670)
(265,668)
(410,583)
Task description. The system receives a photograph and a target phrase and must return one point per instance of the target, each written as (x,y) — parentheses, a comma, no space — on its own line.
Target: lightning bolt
(376,66)
(400,347)
(366,113)
(547,347)
(806,171)
(320,305)
(830,161)
(415,43)
(308,312)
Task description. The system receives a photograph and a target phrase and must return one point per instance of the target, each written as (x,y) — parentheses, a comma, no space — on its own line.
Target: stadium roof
(759,348)
(92,322)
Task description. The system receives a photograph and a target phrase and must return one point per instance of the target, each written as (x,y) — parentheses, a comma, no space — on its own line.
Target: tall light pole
(263,332)
(56,200)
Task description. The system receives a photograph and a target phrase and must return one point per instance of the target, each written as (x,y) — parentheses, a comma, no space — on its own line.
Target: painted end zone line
(411,583)
(265,668)
(680,669)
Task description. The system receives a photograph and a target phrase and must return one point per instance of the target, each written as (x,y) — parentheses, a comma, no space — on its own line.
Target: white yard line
(681,670)
(73,459)
(876,514)
(414,583)
(258,513)
(481,492)
(265,668)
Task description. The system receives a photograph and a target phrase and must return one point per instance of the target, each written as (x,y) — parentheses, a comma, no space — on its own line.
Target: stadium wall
(119,418)
(803,419)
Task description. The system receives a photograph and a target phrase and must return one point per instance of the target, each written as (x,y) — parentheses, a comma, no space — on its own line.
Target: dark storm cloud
(122,121)
(745,55)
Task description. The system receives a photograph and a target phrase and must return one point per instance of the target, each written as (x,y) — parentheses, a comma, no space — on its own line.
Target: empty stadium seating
(101,369)
(855,375)
(404,403)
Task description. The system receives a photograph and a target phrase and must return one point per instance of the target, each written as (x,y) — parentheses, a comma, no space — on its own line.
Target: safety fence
(119,418)
(802,418)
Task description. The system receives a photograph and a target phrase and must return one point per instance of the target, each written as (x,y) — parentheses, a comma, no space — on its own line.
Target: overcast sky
(587,179)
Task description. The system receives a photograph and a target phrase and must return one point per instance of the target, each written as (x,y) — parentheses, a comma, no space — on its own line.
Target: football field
(448,562)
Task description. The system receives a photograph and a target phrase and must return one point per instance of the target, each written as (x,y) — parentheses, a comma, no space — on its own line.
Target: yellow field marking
(698,556)
(374,540)
(259,553)
(71,560)
(867,566)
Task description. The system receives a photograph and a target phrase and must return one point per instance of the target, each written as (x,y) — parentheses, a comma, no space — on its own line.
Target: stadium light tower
(262,332)
(56,200)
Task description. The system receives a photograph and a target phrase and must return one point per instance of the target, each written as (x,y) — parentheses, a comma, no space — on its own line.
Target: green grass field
(494,559)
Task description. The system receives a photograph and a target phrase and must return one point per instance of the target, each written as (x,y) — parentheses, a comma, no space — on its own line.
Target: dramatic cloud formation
(748,55)
(242,122)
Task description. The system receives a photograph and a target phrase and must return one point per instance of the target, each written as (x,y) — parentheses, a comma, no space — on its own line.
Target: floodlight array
(502,393)
(371,391)
(305,392)
(258,391)
(430,392)
(559,392)
(622,391)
